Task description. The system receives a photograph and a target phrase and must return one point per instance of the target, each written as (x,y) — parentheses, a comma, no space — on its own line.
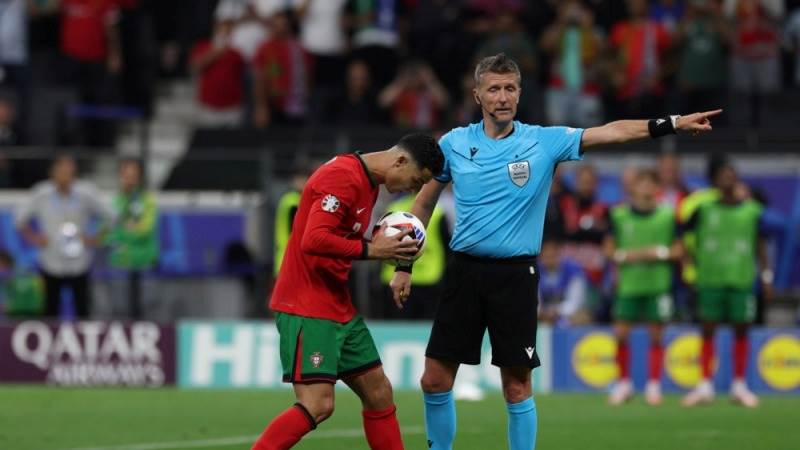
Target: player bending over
(322,338)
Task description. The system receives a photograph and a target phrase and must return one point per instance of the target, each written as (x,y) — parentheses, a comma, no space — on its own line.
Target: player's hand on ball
(401,288)
(392,247)
(698,122)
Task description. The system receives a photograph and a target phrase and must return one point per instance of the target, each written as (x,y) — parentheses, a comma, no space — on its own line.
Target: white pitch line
(235,440)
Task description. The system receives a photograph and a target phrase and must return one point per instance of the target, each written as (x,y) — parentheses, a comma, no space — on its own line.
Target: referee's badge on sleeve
(520,172)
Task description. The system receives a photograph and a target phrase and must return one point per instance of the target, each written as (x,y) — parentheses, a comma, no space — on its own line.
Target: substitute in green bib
(284,216)
(428,269)
(688,207)
(133,239)
(643,243)
(729,241)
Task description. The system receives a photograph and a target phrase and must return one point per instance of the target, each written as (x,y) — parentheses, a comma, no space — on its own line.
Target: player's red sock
(707,356)
(382,429)
(740,349)
(286,430)
(655,359)
(624,360)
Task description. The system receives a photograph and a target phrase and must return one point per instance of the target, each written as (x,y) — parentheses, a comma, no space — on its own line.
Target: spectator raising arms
(416,98)
(640,44)
(573,95)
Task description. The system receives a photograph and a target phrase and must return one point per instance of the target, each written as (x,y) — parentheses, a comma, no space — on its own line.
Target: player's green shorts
(649,308)
(721,304)
(319,350)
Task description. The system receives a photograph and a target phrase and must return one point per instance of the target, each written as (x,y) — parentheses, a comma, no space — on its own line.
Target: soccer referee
(501,170)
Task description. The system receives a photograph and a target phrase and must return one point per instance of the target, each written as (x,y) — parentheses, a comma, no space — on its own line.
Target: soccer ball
(397,222)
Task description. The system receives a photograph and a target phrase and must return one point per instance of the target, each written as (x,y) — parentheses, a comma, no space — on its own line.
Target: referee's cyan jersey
(501,186)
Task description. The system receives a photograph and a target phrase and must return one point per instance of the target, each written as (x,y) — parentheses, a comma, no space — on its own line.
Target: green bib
(24,293)
(283,225)
(633,231)
(727,236)
(429,268)
(134,237)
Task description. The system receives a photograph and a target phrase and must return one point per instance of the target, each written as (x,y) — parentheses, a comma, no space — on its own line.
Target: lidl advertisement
(585,359)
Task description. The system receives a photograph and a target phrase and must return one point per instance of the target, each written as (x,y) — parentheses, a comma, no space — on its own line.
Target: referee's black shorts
(479,293)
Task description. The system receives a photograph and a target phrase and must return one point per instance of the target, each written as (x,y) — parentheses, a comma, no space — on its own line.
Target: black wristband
(364,249)
(403,268)
(660,127)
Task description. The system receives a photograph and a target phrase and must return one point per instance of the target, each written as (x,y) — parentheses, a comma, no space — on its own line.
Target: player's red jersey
(327,235)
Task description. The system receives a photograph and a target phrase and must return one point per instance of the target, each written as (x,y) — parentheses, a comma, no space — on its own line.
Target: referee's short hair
(424,150)
(499,63)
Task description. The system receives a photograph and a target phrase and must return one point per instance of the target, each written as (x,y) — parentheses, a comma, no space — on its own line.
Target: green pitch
(38,418)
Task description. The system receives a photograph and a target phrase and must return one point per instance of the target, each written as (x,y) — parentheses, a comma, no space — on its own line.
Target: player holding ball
(322,338)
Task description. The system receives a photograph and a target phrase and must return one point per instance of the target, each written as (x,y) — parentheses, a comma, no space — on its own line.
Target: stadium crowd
(406,62)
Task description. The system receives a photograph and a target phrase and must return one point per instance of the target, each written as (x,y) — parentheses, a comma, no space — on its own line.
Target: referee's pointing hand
(697,122)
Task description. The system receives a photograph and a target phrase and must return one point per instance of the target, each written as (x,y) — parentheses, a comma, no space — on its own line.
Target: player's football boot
(742,395)
(621,393)
(703,393)
(652,393)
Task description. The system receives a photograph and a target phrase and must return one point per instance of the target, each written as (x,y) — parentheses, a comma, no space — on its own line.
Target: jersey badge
(330,203)
(316,359)
(520,172)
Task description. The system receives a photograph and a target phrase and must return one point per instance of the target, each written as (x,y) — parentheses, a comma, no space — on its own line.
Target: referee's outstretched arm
(622,131)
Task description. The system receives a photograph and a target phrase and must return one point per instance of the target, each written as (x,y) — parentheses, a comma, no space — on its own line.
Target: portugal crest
(520,172)
(316,359)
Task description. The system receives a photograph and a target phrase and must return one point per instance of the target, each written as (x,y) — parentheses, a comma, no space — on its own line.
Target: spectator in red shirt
(586,222)
(89,33)
(756,59)
(416,98)
(281,75)
(220,71)
(640,45)
(90,45)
